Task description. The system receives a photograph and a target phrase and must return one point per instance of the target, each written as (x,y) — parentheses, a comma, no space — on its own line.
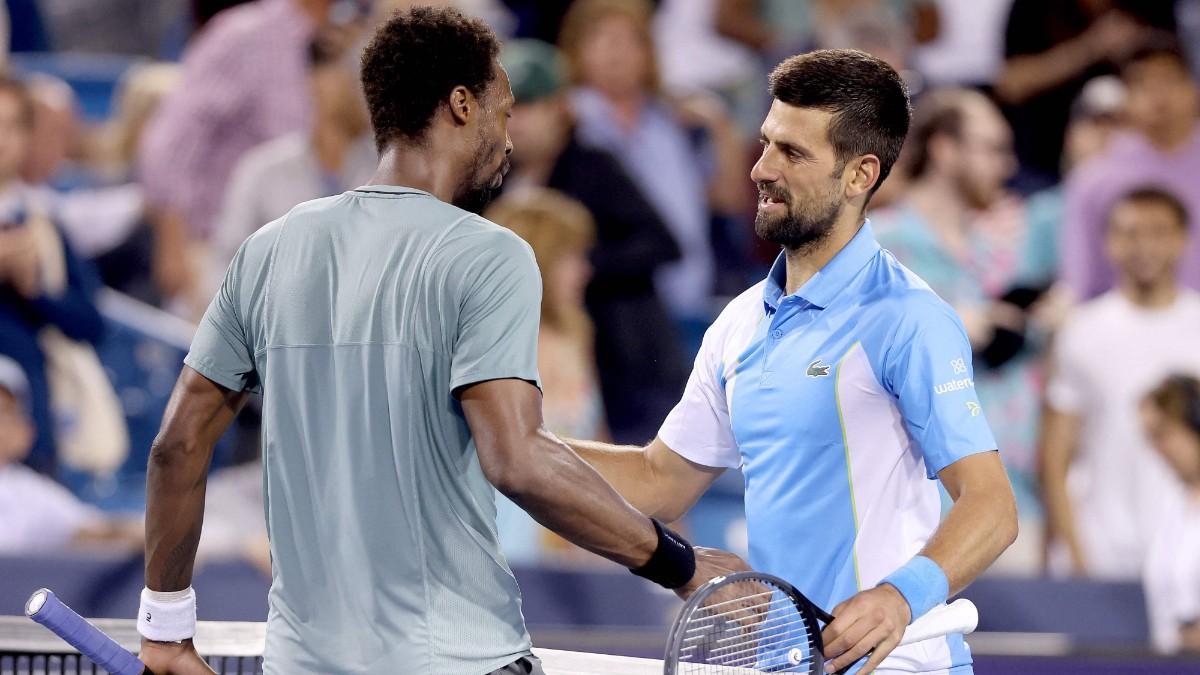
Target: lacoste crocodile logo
(818,369)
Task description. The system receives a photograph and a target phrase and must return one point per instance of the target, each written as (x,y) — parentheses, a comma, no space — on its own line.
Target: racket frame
(809,612)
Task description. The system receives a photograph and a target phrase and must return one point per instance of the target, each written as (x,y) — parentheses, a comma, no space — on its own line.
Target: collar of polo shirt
(820,290)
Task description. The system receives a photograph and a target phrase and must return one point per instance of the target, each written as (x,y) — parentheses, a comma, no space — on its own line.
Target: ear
(462,104)
(862,175)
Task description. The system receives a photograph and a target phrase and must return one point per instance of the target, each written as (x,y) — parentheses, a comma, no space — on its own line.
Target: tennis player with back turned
(839,385)
(393,335)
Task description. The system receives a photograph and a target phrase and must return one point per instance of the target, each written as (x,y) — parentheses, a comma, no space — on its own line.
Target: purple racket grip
(45,608)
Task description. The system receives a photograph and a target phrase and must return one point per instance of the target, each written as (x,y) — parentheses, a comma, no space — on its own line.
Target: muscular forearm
(175,483)
(626,468)
(980,525)
(197,414)
(569,497)
(973,535)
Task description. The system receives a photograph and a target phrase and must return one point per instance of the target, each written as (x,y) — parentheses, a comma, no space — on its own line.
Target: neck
(1172,136)
(1152,295)
(330,144)
(804,263)
(423,168)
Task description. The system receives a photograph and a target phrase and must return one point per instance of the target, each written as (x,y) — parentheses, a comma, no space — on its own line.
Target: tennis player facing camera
(840,385)
(393,335)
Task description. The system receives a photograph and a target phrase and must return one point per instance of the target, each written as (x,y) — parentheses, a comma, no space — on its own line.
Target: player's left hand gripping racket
(45,608)
(750,622)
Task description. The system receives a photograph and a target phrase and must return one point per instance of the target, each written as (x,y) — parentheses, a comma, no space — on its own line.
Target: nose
(508,146)
(762,172)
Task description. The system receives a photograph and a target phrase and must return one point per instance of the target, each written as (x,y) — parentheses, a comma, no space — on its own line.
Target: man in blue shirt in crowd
(839,385)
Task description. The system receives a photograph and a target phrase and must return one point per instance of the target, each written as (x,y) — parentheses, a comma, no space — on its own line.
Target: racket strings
(699,624)
(749,627)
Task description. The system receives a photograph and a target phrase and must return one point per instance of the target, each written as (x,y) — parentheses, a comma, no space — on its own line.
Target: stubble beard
(801,229)
(480,186)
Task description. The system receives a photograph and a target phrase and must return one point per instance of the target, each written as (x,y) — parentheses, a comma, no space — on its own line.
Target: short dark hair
(1157,46)
(413,63)
(1152,194)
(867,97)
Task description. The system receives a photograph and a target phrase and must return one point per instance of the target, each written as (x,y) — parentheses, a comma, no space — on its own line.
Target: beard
(476,198)
(803,226)
(481,185)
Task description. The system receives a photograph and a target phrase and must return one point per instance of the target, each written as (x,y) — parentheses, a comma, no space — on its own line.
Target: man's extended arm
(980,525)
(542,476)
(655,479)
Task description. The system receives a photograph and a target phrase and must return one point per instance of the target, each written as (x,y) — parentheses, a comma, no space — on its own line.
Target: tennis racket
(45,608)
(750,622)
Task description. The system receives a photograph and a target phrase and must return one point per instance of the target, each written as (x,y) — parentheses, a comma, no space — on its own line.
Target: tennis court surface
(235,648)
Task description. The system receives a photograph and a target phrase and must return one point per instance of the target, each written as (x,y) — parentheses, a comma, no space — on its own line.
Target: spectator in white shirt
(37,515)
(1104,487)
(1171,417)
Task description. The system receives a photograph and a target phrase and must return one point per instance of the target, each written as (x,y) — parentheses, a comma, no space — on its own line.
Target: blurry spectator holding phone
(1104,487)
(1171,418)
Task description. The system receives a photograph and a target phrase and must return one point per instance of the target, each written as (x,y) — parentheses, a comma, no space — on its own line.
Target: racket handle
(960,616)
(45,608)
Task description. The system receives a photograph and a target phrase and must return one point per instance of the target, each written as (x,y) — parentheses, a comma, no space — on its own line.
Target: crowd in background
(1048,190)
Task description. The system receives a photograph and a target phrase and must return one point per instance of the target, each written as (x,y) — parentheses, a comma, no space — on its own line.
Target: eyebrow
(786,146)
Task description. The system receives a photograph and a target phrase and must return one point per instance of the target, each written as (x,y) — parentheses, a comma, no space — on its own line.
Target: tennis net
(235,648)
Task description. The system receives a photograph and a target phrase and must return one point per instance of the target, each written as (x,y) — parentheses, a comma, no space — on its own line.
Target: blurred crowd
(1049,190)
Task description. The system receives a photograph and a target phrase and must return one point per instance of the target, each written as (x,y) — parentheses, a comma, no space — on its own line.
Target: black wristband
(673,563)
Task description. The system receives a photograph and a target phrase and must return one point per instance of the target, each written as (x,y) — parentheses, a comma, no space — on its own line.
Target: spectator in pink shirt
(1161,148)
(244,82)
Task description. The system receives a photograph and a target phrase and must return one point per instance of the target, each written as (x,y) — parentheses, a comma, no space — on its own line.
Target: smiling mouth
(766,201)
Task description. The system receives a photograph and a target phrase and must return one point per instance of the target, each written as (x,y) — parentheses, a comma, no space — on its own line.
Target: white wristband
(167,616)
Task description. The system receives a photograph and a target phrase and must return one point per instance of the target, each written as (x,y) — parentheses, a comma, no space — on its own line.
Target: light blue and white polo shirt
(839,402)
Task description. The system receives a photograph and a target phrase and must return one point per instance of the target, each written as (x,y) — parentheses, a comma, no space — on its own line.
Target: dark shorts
(526,665)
